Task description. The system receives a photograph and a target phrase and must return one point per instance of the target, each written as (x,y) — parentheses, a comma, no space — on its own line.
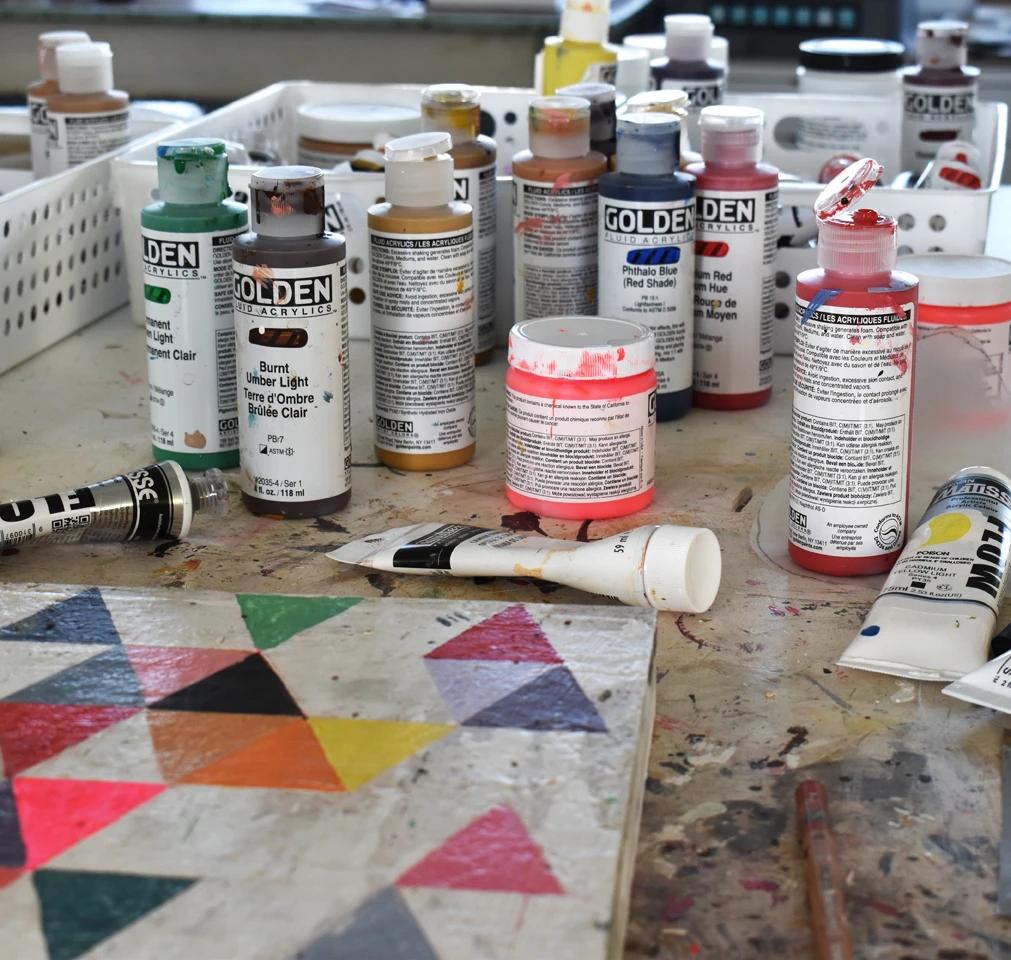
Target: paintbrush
(824,878)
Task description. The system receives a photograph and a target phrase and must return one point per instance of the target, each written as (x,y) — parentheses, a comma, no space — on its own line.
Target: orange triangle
(286,759)
(185,741)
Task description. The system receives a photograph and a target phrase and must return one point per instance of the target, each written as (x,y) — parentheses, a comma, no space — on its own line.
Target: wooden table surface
(749,697)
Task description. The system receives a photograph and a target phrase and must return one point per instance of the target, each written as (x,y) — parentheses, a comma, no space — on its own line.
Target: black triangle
(249,686)
(12,845)
(83,618)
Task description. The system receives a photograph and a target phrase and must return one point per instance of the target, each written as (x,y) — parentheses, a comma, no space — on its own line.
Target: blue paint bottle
(646,249)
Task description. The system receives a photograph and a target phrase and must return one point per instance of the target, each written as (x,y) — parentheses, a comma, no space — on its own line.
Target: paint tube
(665,567)
(989,686)
(936,612)
(154,503)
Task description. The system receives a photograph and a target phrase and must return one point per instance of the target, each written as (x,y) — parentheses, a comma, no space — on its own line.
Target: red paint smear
(899,361)
(676,907)
(621,353)
(529,225)
(130,378)
(561,182)
(695,949)
(855,339)
(56,814)
(493,852)
(770,887)
(776,612)
(663,722)
(878,906)
(793,611)
(511,635)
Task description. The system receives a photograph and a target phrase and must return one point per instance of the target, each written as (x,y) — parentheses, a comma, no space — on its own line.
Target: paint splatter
(798,739)
(675,907)
(529,225)
(899,361)
(327,396)
(687,634)
(523,522)
(770,887)
(817,302)
(855,339)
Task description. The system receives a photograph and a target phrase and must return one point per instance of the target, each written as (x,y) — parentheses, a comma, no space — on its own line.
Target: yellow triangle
(359,750)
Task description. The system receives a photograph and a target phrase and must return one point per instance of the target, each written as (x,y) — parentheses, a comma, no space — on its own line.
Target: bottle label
(573,451)
(477,187)
(735,256)
(701,93)
(647,274)
(39,126)
(291,328)
(849,450)
(75,138)
(190,340)
(932,116)
(423,340)
(991,340)
(555,247)
(831,133)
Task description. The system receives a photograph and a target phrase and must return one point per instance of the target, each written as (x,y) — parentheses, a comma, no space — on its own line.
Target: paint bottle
(646,245)
(421,248)
(333,133)
(603,115)
(853,383)
(87,118)
(291,330)
(555,212)
(736,229)
(40,91)
(456,109)
(670,101)
(688,65)
(939,94)
(187,237)
(580,53)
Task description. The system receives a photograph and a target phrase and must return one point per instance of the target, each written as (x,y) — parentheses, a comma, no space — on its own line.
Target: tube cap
(287,201)
(953,280)
(851,55)
(731,136)
(210,493)
(48,42)
(649,144)
(193,171)
(942,44)
(84,67)
(454,107)
(559,127)
(682,568)
(585,21)
(419,170)
(688,36)
(581,348)
(371,123)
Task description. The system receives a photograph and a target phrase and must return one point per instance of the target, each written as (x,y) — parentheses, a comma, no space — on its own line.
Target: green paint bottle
(187,239)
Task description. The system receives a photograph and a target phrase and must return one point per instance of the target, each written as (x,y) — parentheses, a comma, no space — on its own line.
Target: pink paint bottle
(853,389)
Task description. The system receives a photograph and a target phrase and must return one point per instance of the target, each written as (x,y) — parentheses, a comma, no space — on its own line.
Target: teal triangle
(81,909)
(83,618)
(272,618)
(106,680)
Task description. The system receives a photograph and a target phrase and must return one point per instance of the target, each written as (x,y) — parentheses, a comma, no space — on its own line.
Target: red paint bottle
(853,389)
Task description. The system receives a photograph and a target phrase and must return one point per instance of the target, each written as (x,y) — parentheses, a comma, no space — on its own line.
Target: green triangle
(81,909)
(272,618)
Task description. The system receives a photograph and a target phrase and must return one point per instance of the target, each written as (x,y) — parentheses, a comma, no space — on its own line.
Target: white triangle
(22,664)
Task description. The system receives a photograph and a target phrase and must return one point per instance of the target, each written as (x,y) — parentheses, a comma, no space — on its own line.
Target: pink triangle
(511,634)
(493,852)
(56,814)
(165,670)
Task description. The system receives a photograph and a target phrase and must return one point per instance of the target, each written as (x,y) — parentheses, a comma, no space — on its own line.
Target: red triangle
(493,852)
(56,814)
(511,634)
(9,875)
(33,732)
(164,670)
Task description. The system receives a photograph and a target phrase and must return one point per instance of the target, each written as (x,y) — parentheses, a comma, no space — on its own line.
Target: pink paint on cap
(581,348)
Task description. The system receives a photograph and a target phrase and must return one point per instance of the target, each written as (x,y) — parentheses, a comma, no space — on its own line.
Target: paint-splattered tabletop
(749,699)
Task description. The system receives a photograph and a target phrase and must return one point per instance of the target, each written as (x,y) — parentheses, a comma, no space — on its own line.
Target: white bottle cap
(371,123)
(84,67)
(632,73)
(731,136)
(581,348)
(653,42)
(942,44)
(719,52)
(659,101)
(585,21)
(953,280)
(559,127)
(419,170)
(682,568)
(689,36)
(48,42)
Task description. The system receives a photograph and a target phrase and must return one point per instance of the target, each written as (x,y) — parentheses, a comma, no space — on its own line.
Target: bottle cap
(419,170)
(655,43)
(847,188)
(688,36)
(731,136)
(649,143)
(581,348)
(682,567)
(632,73)
(84,67)
(48,42)
(659,101)
(287,202)
(559,127)
(585,21)
(942,44)
(455,107)
(719,52)
(603,112)
(193,171)
(371,123)
(851,55)
(953,280)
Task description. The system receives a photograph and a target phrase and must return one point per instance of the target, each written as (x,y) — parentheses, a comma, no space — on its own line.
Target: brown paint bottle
(421,266)
(40,91)
(87,117)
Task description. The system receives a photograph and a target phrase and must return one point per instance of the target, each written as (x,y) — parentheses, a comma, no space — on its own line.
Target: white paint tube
(989,686)
(936,612)
(154,503)
(665,567)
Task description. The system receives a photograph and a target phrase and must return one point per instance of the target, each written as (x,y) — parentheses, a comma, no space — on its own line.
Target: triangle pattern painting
(12,844)
(468,686)
(511,634)
(271,619)
(83,909)
(83,618)
(493,852)
(161,671)
(105,680)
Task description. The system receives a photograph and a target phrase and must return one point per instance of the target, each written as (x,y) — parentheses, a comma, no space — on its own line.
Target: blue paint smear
(817,302)
(871,631)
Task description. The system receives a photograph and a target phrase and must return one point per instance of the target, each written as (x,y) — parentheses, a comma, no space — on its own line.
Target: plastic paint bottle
(329,134)
(854,343)
(736,230)
(581,53)
(603,115)
(40,91)
(555,212)
(456,109)
(646,246)
(673,102)
(291,329)
(421,248)
(187,238)
(87,118)
(939,94)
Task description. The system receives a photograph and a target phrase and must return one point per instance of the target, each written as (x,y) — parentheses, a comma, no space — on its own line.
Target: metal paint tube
(989,686)
(154,503)
(664,567)
(936,612)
